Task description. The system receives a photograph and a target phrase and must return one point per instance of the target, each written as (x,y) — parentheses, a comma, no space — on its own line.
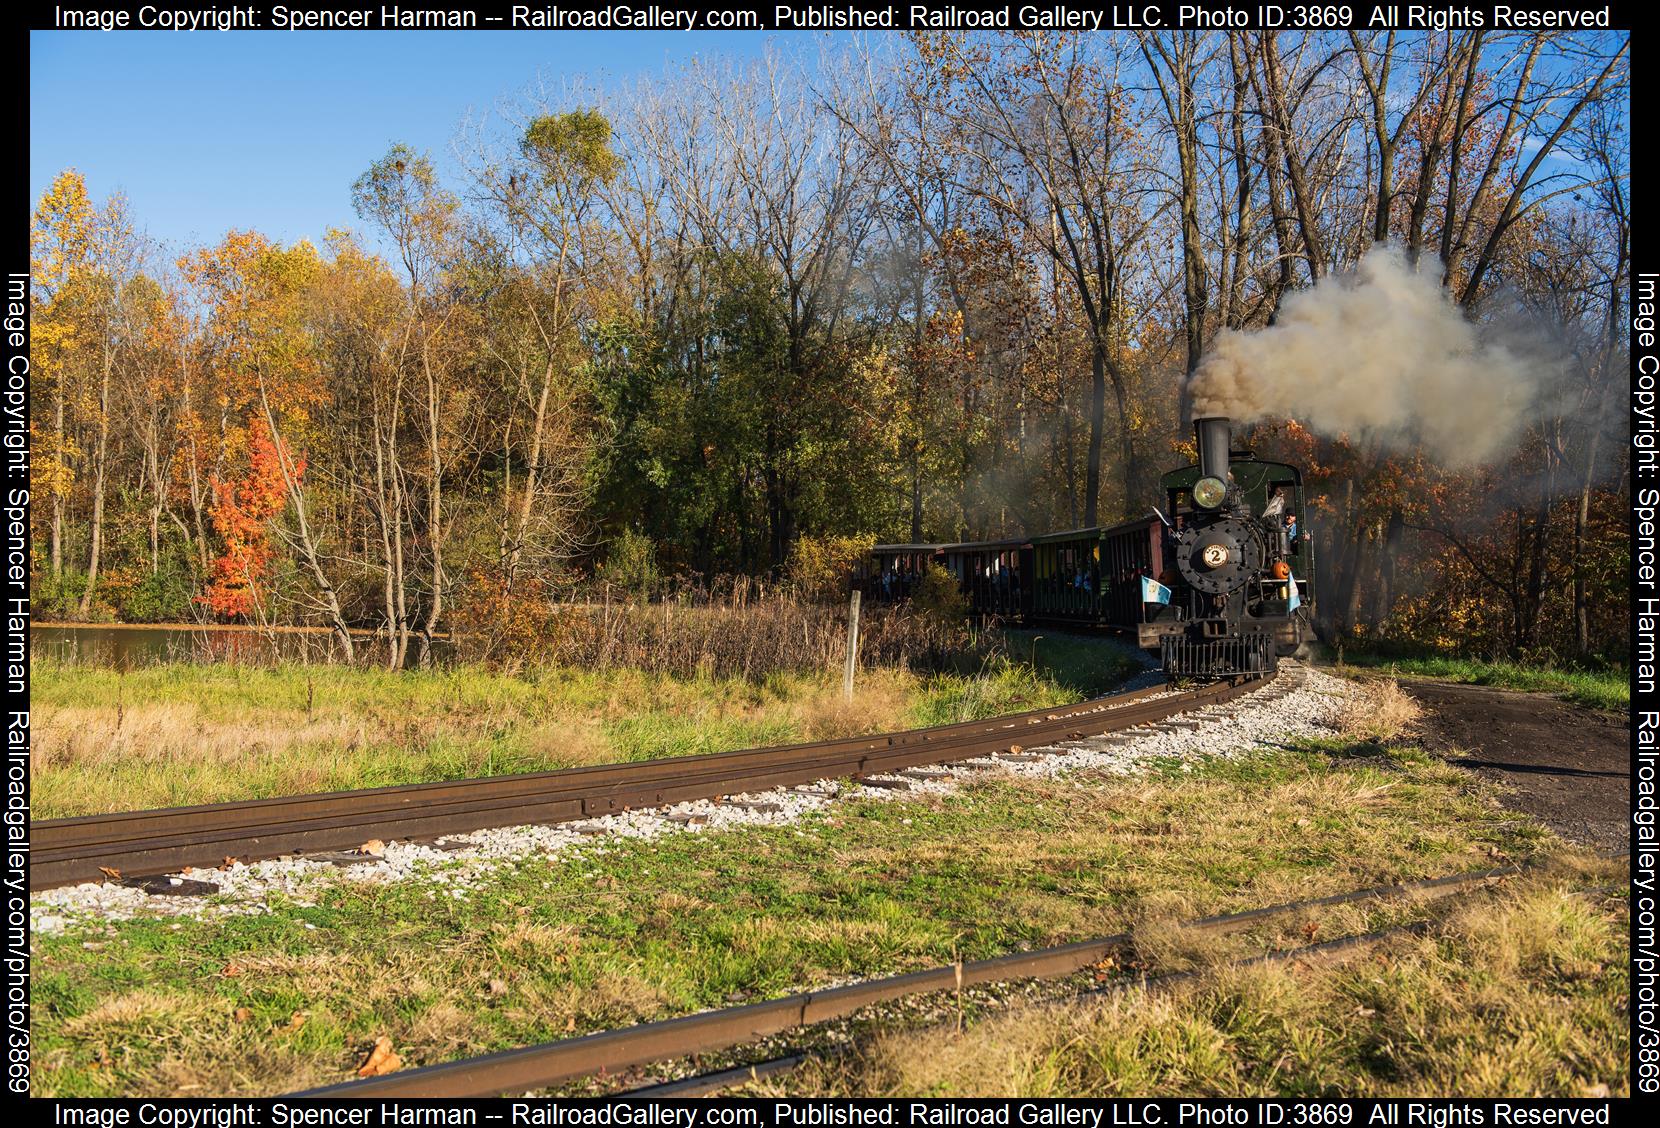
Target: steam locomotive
(1219,582)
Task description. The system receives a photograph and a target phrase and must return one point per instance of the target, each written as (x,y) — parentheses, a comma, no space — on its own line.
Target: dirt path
(1569,766)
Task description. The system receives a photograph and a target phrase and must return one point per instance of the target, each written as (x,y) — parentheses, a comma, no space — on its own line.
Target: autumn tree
(544,287)
(401,196)
(243,511)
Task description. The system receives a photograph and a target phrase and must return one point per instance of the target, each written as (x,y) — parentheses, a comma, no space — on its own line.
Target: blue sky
(209,131)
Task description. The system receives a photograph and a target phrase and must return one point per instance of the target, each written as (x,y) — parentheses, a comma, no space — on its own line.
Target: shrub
(62,600)
(507,628)
(631,563)
(940,597)
(162,596)
(819,566)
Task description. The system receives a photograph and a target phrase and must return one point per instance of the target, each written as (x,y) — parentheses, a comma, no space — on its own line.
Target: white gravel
(460,863)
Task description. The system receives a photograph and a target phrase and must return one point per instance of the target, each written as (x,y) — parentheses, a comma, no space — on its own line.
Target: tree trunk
(1233,294)
(1301,190)
(1393,534)
(308,545)
(99,468)
(435,505)
(1097,423)
(57,494)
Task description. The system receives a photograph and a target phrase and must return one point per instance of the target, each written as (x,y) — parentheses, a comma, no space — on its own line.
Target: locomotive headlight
(1209,492)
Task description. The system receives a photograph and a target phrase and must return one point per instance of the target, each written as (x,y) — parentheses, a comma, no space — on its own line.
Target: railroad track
(609,1052)
(719,1081)
(139,844)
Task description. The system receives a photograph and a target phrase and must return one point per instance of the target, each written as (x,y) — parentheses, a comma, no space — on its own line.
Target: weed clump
(1380,713)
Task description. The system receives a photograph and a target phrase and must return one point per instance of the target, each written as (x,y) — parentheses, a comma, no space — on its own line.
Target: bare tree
(401,194)
(1049,141)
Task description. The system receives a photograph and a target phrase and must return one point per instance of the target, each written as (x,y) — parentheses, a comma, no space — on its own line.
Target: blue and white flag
(1296,600)
(1153,592)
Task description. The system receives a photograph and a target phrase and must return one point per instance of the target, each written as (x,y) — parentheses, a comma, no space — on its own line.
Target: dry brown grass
(741,629)
(117,747)
(1512,994)
(1380,712)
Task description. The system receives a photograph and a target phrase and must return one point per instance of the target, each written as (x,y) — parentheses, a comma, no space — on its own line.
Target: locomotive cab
(1240,582)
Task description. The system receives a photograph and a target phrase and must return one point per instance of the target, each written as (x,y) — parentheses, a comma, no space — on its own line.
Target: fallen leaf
(1016,748)
(242,1014)
(381,1059)
(110,872)
(231,970)
(570,1023)
(1310,928)
(297,1020)
(188,870)
(228,862)
(375,848)
(498,987)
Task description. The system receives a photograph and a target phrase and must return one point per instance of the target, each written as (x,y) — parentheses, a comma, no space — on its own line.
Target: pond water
(126,646)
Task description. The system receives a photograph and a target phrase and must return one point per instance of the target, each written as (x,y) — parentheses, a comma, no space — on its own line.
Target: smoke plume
(1382,354)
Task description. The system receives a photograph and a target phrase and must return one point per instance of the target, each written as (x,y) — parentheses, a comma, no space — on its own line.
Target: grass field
(1521,995)
(180,733)
(626,931)
(1598,689)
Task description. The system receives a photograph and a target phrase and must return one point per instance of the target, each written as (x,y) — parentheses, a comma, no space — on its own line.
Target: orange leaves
(382,1059)
(242,512)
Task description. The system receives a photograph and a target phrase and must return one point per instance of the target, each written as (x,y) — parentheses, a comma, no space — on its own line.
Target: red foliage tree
(242,512)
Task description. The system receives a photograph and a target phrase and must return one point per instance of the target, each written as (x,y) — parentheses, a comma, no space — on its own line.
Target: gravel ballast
(1301,703)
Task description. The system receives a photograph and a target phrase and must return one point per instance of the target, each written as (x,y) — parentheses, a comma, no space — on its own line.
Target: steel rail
(554,1063)
(166,840)
(1324,951)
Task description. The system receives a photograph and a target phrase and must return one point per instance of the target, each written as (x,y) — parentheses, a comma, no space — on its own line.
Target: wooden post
(852,645)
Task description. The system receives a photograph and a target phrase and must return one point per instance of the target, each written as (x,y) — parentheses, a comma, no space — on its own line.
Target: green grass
(1034,671)
(629,931)
(181,733)
(1598,689)
(1518,994)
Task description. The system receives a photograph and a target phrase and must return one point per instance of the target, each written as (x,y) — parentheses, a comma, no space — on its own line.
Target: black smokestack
(1213,434)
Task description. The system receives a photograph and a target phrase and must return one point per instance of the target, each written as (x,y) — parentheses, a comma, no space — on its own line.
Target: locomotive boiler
(1235,594)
